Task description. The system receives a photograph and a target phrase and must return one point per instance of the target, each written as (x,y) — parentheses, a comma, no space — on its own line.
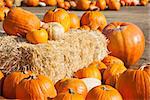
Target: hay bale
(56,59)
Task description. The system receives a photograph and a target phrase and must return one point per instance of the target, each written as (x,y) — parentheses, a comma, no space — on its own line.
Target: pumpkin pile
(108,78)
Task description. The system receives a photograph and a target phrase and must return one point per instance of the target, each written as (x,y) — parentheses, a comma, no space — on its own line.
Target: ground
(138,15)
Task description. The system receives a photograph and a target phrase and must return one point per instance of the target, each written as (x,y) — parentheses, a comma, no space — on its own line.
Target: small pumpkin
(37,36)
(2,4)
(69,95)
(58,15)
(124,38)
(110,60)
(88,72)
(20,22)
(10,83)
(143,2)
(75,84)
(101,4)
(83,4)
(91,83)
(55,30)
(113,70)
(134,84)
(103,92)
(67,5)
(75,21)
(51,2)
(33,3)
(114,4)
(93,19)
(9,3)
(35,87)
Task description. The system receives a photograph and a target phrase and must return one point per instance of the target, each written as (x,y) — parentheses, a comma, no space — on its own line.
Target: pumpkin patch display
(75,84)
(93,19)
(104,92)
(69,95)
(134,84)
(37,36)
(58,15)
(123,39)
(35,87)
(14,24)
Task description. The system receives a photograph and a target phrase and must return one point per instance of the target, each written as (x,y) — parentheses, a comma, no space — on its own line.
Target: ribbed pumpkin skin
(135,84)
(20,22)
(103,92)
(58,15)
(126,41)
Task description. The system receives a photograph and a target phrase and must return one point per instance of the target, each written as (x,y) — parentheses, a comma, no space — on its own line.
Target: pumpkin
(2,3)
(91,83)
(114,5)
(69,95)
(51,2)
(72,83)
(10,83)
(9,3)
(112,80)
(126,2)
(58,15)
(37,36)
(75,21)
(93,19)
(143,2)
(35,87)
(5,10)
(67,5)
(1,81)
(2,15)
(20,22)
(113,70)
(124,38)
(85,27)
(73,4)
(83,4)
(100,65)
(110,60)
(32,2)
(60,3)
(55,30)
(103,92)
(101,4)
(88,72)
(134,84)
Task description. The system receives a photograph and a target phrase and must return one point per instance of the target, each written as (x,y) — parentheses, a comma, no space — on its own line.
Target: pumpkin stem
(31,77)
(104,88)
(71,91)
(143,66)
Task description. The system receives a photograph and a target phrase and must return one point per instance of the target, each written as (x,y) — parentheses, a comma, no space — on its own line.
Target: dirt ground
(138,15)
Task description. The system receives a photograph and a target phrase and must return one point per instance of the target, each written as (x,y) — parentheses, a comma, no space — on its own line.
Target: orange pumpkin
(37,36)
(20,22)
(103,92)
(93,19)
(72,83)
(35,87)
(2,15)
(134,84)
(143,2)
(69,95)
(67,5)
(51,2)
(75,21)
(114,4)
(113,70)
(9,3)
(85,27)
(88,72)
(58,15)
(101,4)
(32,2)
(2,4)
(124,38)
(83,4)
(10,83)
(1,82)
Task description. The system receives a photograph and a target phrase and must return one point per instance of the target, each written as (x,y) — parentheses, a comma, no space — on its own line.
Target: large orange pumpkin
(32,2)
(75,84)
(88,72)
(103,92)
(94,19)
(126,41)
(10,83)
(35,87)
(20,22)
(101,4)
(69,95)
(75,21)
(134,84)
(58,15)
